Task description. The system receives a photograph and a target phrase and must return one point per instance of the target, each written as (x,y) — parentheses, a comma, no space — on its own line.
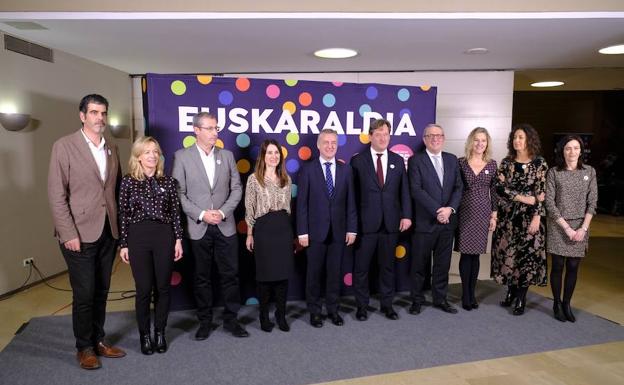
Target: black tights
(556,273)
(468,271)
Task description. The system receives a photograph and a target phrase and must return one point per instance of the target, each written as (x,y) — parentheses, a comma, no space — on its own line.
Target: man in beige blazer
(82,184)
(210,189)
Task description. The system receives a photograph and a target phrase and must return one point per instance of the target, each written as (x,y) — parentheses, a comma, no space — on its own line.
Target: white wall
(50,92)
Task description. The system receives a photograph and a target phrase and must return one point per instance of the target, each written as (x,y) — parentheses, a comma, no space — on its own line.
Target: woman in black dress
(269,231)
(477,211)
(150,237)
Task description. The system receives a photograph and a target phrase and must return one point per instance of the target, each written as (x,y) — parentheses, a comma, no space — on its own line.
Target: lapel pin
(524,166)
(487,172)
(586,177)
(109,152)
(391,166)
(218,161)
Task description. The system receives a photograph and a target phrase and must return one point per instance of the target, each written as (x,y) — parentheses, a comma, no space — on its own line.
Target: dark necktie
(380,177)
(329,181)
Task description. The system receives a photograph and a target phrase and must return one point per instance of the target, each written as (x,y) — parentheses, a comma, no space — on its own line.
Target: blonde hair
(487,154)
(134,166)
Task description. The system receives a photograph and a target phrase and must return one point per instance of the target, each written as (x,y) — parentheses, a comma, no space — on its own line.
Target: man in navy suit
(326,221)
(436,188)
(384,208)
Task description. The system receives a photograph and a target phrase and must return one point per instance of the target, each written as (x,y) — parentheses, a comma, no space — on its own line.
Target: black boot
(146,343)
(160,340)
(264,294)
(520,301)
(558,311)
(567,311)
(281,293)
(509,298)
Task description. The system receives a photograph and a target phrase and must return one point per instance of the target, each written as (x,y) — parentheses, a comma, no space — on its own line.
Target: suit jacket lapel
(199,165)
(85,151)
(431,169)
(218,165)
(109,161)
(371,167)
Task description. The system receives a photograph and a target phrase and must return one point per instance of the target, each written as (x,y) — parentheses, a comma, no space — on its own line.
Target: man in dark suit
(384,210)
(436,189)
(326,221)
(210,189)
(82,187)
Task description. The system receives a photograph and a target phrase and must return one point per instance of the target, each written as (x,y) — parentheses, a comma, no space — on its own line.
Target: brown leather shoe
(104,350)
(87,359)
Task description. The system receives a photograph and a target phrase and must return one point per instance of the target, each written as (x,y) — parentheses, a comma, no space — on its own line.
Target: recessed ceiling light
(335,53)
(547,84)
(476,51)
(613,50)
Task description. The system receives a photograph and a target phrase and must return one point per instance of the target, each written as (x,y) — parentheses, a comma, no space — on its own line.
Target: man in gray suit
(82,184)
(210,189)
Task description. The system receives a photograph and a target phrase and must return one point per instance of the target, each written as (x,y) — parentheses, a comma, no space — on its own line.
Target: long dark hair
(260,169)
(560,159)
(532,141)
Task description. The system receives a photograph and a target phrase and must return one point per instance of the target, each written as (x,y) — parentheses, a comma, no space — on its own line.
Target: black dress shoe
(361,314)
(520,305)
(336,319)
(160,340)
(567,312)
(204,331)
(474,305)
(146,344)
(446,307)
(415,308)
(235,328)
(467,307)
(316,320)
(558,311)
(390,313)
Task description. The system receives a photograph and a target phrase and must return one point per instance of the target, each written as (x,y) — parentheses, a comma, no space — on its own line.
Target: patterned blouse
(262,200)
(154,199)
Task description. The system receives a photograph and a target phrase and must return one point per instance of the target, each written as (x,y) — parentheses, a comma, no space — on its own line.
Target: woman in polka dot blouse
(150,237)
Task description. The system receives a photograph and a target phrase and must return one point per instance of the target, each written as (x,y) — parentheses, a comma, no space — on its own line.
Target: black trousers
(151,249)
(469,272)
(324,258)
(214,246)
(381,244)
(423,244)
(89,275)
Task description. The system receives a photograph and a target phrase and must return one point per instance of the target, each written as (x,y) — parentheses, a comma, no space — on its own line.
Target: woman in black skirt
(151,237)
(269,231)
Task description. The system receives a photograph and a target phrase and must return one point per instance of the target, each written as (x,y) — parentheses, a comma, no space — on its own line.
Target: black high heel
(146,344)
(161,341)
(509,298)
(567,312)
(558,311)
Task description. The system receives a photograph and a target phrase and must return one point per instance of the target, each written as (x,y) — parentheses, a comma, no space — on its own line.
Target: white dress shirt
(384,161)
(99,154)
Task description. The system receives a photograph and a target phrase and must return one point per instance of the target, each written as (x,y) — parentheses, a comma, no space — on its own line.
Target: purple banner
(292,112)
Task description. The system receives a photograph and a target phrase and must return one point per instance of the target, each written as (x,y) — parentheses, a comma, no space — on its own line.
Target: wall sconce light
(14,122)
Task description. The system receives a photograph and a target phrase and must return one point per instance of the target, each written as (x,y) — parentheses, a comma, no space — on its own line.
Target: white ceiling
(279,43)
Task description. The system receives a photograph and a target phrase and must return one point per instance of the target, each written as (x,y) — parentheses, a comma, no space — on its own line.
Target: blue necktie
(329,181)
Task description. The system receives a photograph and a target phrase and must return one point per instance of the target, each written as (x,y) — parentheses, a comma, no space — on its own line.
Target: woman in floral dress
(518,254)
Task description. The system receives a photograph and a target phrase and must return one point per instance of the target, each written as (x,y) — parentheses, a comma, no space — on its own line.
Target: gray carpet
(42,353)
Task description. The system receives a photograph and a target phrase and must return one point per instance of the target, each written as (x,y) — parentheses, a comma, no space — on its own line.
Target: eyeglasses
(434,136)
(211,128)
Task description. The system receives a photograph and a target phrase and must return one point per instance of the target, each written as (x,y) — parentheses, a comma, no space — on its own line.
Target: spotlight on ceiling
(612,50)
(335,53)
(547,84)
